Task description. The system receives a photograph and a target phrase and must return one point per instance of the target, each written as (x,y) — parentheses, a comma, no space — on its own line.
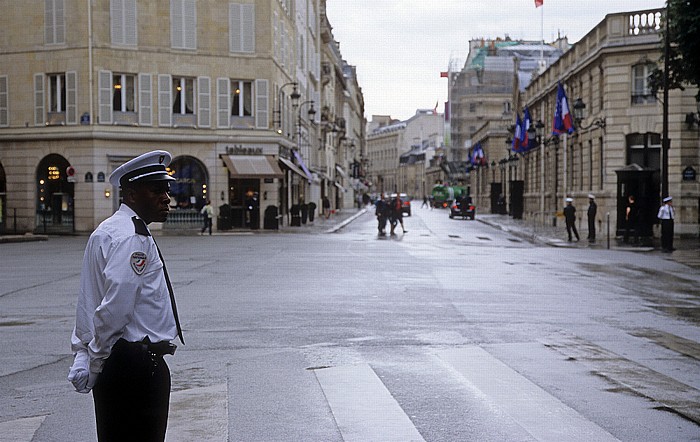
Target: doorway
(244,199)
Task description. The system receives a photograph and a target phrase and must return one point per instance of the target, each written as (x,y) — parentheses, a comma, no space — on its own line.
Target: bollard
(607,217)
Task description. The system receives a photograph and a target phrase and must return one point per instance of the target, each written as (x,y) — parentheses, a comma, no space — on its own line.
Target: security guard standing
(666,215)
(126,314)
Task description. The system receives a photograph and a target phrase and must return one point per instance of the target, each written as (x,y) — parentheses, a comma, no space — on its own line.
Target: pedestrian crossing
(352,403)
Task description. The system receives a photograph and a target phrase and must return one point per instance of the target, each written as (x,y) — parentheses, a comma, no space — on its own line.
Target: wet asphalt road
(453,331)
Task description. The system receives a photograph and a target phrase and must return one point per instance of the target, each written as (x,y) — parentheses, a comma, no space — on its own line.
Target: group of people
(389,210)
(633,220)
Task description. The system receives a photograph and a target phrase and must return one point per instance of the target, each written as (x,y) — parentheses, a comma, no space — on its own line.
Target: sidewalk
(687,249)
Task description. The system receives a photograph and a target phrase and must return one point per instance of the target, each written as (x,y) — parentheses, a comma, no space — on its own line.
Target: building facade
(616,150)
(218,84)
(388,139)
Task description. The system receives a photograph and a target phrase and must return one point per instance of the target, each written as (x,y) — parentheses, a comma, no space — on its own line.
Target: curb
(22,238)
(346,222)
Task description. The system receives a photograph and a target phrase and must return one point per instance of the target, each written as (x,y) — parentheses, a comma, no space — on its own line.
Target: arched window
(190,189)
(54,195)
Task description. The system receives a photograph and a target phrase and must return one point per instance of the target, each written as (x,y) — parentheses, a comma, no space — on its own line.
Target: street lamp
(580,114)
(295,95)
(311,112)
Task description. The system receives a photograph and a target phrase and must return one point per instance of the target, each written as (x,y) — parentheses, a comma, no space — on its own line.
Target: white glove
(78,374)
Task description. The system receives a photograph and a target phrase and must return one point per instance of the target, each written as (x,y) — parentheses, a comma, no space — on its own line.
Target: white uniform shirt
(666,212)
(121,296)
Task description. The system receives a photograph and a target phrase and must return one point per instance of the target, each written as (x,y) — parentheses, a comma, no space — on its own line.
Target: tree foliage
(684,55)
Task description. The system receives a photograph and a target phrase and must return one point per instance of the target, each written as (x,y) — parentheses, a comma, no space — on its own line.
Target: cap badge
(138,262)
(161,159)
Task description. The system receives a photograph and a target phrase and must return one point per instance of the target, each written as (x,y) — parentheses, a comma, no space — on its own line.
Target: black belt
(157,349)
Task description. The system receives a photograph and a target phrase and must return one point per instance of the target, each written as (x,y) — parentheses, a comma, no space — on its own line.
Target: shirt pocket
(154,280)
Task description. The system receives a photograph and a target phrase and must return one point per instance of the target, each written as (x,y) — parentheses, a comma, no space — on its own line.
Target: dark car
(463,207)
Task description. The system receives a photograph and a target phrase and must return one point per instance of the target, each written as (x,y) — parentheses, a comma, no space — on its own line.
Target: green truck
(444,195)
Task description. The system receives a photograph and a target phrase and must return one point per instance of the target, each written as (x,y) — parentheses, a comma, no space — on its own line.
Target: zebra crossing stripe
(363,407)
(542,415)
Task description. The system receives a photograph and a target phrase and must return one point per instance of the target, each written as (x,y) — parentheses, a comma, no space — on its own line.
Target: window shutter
(4,117)
(130,23)
(248,28)
(116,15)
(261,104)
(276,35)
(145,100)
(59,22)
(165,103)
(39,101)
(283,43)
(203,102)
(71,97)
(176,31)
(317,105)
(190,24)
(104,96)
(234,27)
(223,96)
(49,36)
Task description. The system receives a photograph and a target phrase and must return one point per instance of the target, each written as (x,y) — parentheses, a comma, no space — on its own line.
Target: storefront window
(190,190)
(54,195)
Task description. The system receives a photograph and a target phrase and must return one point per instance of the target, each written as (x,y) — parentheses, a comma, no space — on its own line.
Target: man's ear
(128,194)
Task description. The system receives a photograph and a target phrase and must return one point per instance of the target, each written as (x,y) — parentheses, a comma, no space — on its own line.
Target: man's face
(150,201)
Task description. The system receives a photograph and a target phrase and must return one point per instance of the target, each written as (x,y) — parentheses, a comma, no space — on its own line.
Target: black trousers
(591,229)
(571,226)
(667,234)
(132,395)
(207,225)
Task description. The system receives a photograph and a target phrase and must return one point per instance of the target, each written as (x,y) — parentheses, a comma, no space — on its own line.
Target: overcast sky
(400,46)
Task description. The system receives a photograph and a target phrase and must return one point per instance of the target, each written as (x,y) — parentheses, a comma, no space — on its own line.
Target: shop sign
(238,149)
(689,174)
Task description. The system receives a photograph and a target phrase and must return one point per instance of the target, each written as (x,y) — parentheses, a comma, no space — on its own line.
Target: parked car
(405,203)
(463,207)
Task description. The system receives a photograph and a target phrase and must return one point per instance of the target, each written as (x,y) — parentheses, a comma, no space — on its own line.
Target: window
(242,27)
(641,91)
(123,92)
(183,24)
(241,98)
(54,22)
(57,93)
(122,14)
(644,150)
(183,96)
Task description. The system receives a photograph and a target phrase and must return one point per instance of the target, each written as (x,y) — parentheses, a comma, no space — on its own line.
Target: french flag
(524,136)
(563,120)
(517,134)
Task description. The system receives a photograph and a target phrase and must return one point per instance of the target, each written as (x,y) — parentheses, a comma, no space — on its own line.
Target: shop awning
(303,166)
(252,166)
(293,167)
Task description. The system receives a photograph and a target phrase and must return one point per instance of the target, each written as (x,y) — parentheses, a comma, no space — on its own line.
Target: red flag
(443,75)
(538,3)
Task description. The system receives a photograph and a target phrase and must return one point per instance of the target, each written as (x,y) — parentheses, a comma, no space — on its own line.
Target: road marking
(542,415)
(20,430)
(199,414)
(364,409)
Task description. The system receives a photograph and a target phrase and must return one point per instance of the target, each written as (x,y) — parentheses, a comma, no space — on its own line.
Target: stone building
(389,139)
(616,150)
(217,84)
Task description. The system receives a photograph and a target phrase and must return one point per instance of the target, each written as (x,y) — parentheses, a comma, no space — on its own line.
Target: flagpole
(566,164)
(542,34)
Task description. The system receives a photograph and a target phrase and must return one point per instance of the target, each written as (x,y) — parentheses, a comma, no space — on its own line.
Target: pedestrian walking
(425,201)
(666,215)
(208,212)
(592,212)
(396,216)
(631,220)
(126,314)
(326,206)
(382,212)
(570,217)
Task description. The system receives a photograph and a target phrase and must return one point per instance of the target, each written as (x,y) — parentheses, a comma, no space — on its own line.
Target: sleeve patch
(138,262)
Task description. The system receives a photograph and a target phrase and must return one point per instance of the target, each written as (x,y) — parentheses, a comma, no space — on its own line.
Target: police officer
(570,218)
(126,315)
(592,212)
(666,215)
